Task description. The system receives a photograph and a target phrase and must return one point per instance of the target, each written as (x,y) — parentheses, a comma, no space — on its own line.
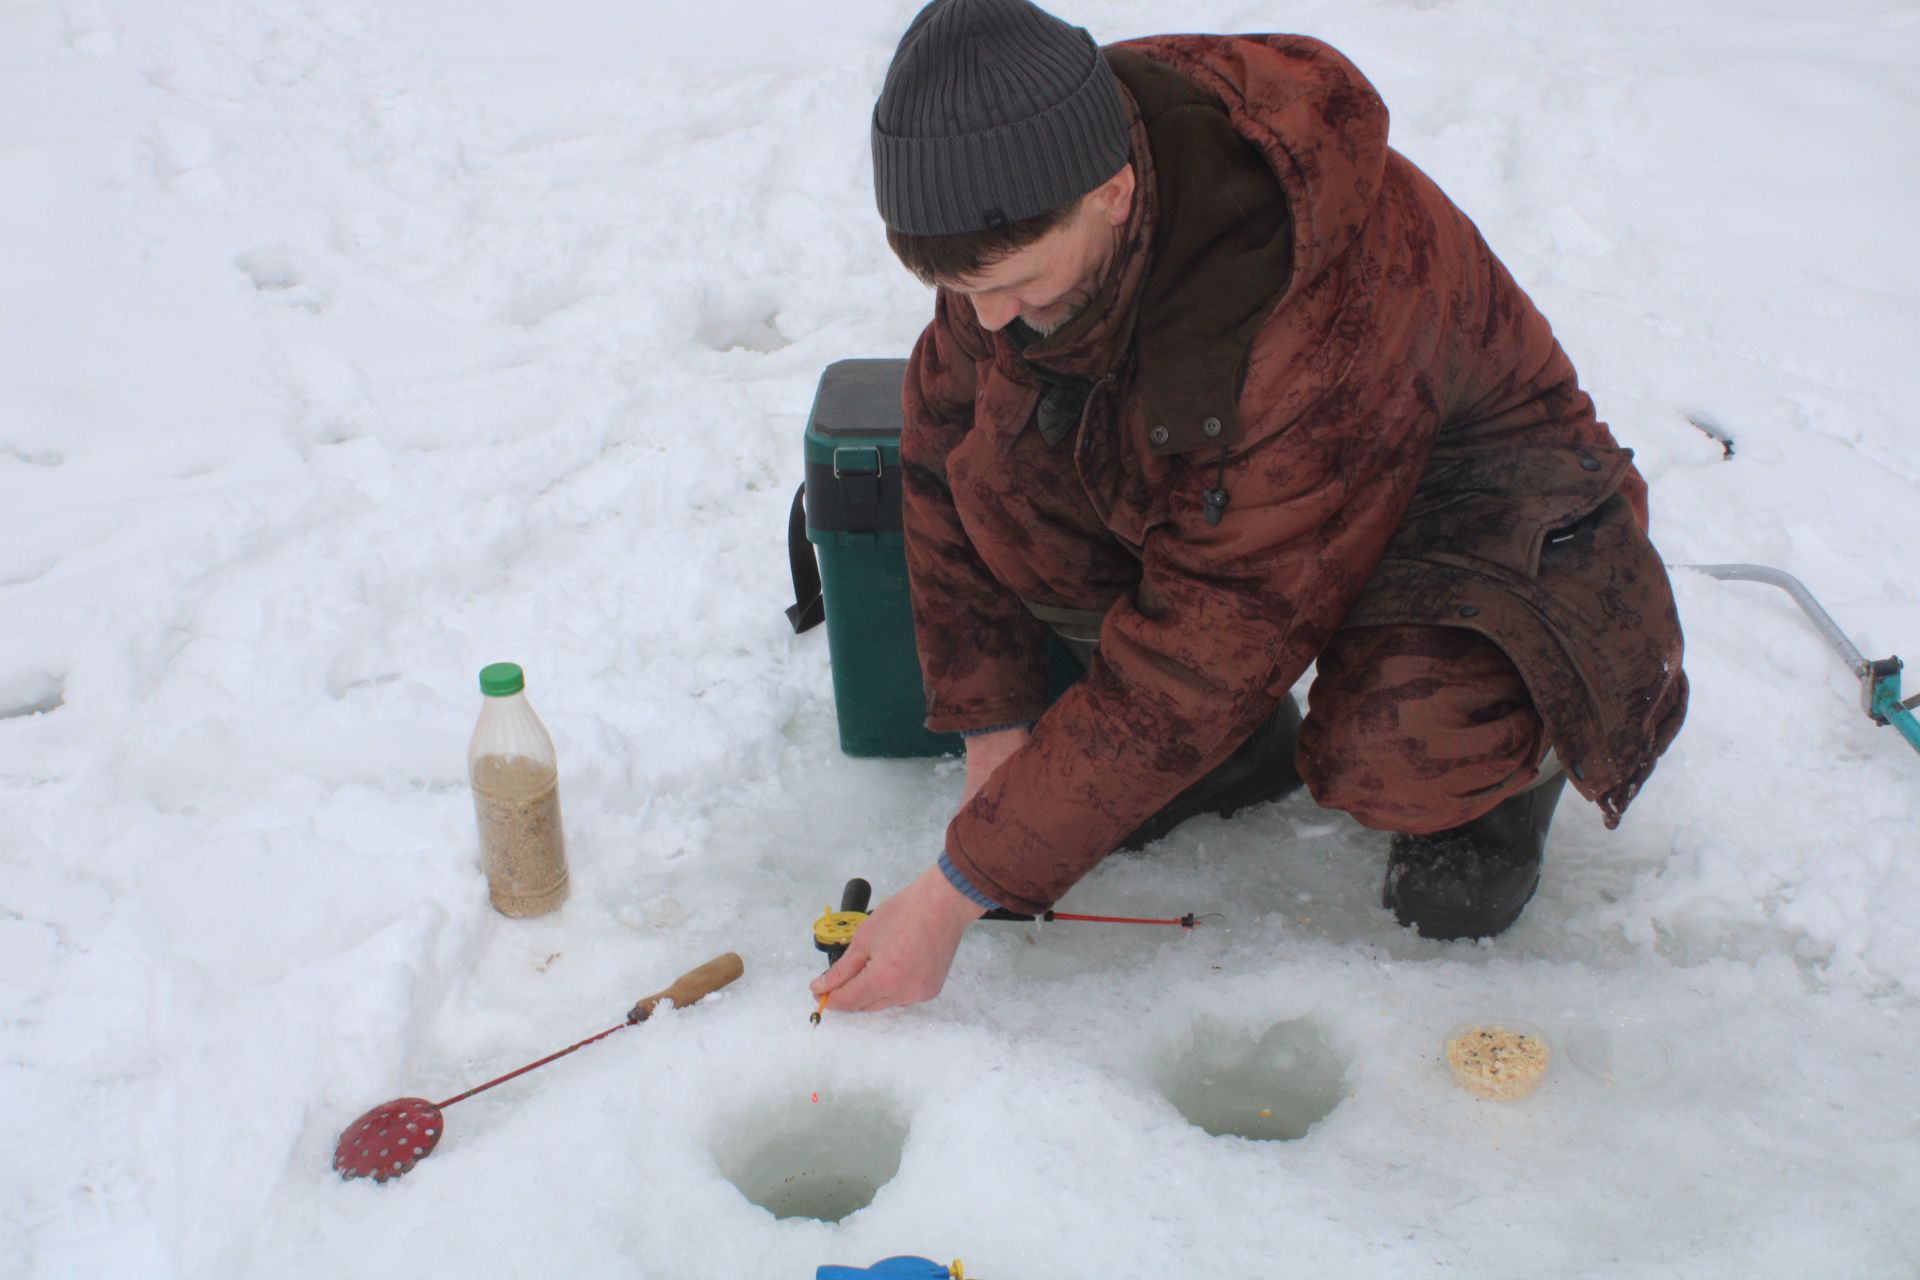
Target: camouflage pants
(1417,729)
(1408,729)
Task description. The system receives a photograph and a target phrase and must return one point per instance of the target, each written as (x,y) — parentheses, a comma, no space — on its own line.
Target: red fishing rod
(833,931)
(1187,922)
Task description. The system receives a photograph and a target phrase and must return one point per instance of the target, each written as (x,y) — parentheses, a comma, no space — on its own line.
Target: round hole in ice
(1271,1086)
(796,1160)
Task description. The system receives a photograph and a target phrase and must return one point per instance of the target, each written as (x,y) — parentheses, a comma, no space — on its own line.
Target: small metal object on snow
(393,1137)
(1879,677)
(1713,431)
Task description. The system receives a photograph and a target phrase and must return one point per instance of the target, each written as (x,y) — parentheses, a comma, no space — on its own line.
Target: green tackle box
(852,520)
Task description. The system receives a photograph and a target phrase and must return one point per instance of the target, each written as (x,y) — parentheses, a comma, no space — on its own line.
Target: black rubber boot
(1259,770)
(1474,880)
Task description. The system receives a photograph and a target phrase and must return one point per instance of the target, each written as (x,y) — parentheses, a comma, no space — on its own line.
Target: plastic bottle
(516,797)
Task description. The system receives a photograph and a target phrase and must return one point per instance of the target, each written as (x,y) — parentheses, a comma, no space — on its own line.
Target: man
(1218,386)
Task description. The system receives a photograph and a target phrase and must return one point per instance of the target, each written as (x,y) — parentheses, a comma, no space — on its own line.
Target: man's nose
(995,313)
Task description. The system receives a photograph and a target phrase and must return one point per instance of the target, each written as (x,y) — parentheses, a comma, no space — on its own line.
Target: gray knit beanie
(993,111)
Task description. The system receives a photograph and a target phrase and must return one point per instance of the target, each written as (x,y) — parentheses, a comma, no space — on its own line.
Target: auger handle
(692,985)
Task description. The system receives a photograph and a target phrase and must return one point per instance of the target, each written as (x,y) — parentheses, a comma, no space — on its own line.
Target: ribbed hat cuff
(975,181)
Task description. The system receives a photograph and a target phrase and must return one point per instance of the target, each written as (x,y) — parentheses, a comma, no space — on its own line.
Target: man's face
(1053,279)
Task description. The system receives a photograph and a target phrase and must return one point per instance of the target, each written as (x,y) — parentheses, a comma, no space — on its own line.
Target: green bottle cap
(502,679)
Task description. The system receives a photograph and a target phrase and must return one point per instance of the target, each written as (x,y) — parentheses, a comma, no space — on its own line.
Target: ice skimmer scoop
(393,1137)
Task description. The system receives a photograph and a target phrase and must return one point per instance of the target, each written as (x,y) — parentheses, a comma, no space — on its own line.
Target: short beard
(1075,310)
(1081,298)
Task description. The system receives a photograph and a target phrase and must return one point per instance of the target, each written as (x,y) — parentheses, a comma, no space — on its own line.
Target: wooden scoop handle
(692,985)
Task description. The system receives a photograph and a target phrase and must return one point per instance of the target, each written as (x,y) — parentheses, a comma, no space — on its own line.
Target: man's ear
(1114,197)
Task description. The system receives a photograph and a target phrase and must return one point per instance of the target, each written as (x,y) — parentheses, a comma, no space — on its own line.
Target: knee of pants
(1416,730)
(1409,796)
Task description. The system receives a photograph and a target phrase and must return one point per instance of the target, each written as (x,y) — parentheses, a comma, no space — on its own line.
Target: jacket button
(1211,426)
(1590,464)
(1159,435)
(1469,610)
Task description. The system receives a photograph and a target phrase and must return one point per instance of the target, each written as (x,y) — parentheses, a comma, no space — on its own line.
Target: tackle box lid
(858,399)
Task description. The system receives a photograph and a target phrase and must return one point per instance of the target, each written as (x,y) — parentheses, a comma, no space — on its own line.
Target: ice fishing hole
(1272,1086)
(826,1161)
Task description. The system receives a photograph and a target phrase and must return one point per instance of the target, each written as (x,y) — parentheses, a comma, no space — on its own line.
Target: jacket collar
(1206,253)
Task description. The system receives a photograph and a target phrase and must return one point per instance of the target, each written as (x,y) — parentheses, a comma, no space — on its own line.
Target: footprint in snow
(273,272)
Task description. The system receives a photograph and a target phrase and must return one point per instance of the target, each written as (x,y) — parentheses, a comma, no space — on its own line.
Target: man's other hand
(901,953)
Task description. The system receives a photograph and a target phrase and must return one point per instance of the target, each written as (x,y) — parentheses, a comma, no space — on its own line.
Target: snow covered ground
(347,346)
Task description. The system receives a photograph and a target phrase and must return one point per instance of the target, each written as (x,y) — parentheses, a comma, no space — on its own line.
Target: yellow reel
(834,930)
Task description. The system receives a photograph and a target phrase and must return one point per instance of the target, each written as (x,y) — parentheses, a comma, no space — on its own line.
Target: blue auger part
(901,1268)
(1886,707)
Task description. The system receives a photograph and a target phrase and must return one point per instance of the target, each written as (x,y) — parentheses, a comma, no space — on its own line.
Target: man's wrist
(970,734)
(989,749)
(977,901)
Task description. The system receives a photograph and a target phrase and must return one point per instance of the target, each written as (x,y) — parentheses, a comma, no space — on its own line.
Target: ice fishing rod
(393,1137)
(1879,677)
(833,931)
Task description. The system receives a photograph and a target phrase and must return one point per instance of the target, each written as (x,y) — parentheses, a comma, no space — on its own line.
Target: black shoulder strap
(808,609)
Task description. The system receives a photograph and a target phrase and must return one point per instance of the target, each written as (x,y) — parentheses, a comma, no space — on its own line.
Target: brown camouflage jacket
(1300,323)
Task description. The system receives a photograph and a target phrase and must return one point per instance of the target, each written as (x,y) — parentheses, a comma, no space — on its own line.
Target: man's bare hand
(901,953)
(987,752)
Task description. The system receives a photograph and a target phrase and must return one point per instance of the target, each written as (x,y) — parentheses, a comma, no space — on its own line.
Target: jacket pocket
(1504,508)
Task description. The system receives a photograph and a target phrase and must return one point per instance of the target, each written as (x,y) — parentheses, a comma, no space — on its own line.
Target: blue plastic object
(1885,706)
(901,1268)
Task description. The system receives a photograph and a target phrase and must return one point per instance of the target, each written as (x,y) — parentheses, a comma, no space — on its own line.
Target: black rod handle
(856,896)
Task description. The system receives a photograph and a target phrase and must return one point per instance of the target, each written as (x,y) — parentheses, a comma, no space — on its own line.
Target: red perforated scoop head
(388,1140)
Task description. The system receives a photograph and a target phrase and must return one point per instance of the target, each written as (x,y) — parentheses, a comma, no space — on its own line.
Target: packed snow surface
(349,346)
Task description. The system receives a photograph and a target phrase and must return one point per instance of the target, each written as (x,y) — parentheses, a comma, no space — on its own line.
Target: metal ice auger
(1879,677)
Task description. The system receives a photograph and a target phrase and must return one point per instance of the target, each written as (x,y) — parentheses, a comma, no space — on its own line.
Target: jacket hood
(1221,126)
(1315,118)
